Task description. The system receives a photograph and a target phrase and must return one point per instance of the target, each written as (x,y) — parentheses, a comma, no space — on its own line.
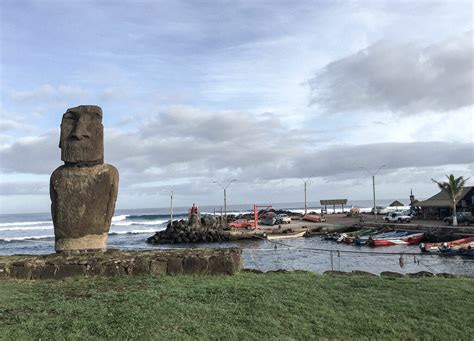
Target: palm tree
(453,186)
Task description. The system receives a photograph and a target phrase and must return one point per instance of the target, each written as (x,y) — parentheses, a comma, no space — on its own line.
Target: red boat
(435,247)
(404,240)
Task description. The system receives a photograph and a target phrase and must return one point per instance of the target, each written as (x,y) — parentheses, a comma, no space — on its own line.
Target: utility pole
(225,198)
(171,209)
(373,185)
(305,202)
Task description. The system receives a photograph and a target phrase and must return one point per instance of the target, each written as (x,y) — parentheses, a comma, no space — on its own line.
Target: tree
(453,186)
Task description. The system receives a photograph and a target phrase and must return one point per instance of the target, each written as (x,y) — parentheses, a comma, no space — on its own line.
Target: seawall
(122,263)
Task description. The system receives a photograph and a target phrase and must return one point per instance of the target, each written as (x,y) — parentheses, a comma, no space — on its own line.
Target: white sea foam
(134,231)
(26,228)
(13,239)
(26,223)
(136,223)
(120,217)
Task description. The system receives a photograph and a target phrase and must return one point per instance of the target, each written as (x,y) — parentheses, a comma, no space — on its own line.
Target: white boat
(276,236)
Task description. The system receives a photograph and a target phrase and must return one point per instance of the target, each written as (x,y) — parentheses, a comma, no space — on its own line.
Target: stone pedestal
(82,206)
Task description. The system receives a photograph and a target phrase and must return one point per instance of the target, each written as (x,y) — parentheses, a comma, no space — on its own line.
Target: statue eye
(69,115)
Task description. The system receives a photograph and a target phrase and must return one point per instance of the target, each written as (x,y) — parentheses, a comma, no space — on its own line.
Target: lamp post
(225,197)
(373,185)
(305,196)
(171,210)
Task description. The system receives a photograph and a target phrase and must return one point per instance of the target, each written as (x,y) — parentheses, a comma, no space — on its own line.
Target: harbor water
(34,234)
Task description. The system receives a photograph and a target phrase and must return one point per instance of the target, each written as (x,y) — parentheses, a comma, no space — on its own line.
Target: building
(440,205)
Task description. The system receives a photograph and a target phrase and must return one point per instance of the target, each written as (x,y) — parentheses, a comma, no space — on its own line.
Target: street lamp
(305,196)
(171,210)
(373,185)
(225,197)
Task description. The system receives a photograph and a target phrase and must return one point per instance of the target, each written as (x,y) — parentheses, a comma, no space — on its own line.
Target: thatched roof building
(443,198)
(396,203)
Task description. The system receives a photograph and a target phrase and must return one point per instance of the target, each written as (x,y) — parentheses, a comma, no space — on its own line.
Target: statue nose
(80,131)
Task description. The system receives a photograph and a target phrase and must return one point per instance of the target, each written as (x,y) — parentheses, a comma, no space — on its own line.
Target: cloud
(404,78)
(184,143)
(24,188)
(48,92)
(6,125)
(35,155)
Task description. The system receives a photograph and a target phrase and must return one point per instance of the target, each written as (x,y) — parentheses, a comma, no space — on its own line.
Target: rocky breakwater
(194,230)
(122,263)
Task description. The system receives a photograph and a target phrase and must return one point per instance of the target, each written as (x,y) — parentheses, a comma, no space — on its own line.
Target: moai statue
(84,190)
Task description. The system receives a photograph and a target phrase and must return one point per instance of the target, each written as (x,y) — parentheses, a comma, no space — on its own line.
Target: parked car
(463,218)
(283,219)
(397,217)
(241,224)
(268,219)
(380,210)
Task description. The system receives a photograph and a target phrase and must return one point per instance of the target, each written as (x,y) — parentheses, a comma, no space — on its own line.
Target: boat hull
(436,247)
(280,236)
(406,240)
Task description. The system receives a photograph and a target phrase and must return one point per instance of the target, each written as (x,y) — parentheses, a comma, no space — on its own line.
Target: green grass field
(245,306)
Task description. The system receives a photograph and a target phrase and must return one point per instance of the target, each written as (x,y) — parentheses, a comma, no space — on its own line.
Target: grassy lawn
(245,306)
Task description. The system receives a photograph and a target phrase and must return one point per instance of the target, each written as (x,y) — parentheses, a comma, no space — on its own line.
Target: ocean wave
(155,216)
(139,223)
(26,228)
(120,217)
(27,238)
(134,232)
(26,223)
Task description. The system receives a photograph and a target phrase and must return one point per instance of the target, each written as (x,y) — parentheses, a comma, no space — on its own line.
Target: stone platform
(122,263)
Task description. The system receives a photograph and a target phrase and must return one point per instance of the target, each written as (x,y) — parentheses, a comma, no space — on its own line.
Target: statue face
(82,135)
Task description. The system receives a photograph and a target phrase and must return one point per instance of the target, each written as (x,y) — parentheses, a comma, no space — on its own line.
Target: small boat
(435,247)
(277,236)
(367,240)
(315,218)
(350,237)
(466,252)
(407,239)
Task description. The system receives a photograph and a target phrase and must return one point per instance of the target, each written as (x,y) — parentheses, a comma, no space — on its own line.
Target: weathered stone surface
(219,265)
(391,274)
(194,265)
(83,203)
(83,191)
(255,271)
(336,273)
(70,270)
(122,263)
(158,267)
(111,269)
(421,274)
(363,273)
(82,135)
(44,272)
(140,266)
(175,266)
(445,275)
(21,272)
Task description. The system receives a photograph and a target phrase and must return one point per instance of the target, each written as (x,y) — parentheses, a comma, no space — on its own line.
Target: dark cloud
(24,188)
(401,77)
(189,146)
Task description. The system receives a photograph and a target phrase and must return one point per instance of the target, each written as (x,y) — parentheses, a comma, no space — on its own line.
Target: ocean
(33,233)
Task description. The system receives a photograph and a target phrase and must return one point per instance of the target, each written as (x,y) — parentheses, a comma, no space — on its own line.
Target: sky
(269,93)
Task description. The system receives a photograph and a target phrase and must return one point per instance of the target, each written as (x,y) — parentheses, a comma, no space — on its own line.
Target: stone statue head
(82,136)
